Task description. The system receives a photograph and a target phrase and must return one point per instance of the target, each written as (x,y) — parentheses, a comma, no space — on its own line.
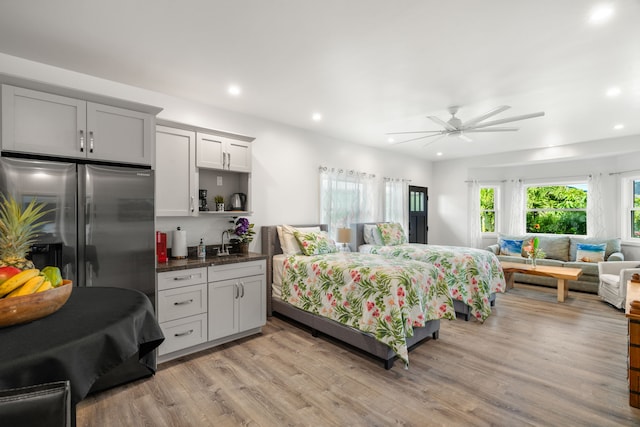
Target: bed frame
(357,239)
(318,324)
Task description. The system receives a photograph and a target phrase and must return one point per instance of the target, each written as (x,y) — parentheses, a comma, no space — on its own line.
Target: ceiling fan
(456,127)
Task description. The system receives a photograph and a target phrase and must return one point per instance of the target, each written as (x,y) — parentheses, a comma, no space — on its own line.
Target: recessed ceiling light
(619,126)
(439,153)
(600,14)
(391,140)
(613,91)
(316,117)
(235,90)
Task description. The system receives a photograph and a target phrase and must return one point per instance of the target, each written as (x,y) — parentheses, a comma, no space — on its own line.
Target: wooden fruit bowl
(27,308)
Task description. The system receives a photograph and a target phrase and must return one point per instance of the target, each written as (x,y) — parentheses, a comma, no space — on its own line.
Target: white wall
(285,159)
(448,201)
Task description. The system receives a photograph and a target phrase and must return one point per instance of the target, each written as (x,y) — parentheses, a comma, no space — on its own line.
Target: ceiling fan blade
(415,139)
(485,116)
(414,131)
(431,142)
(509,119)
(441,122)
(490,130)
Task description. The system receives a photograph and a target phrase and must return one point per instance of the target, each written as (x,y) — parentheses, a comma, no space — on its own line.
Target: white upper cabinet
(219,152)
(176,176)
(50,124)
(119,135)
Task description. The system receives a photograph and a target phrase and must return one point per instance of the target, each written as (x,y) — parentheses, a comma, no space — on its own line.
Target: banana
(46,285)
(18,280)
(28,288)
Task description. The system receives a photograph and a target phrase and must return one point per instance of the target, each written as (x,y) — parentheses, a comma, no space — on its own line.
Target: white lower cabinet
(182,309)
(203,307)
(237,300)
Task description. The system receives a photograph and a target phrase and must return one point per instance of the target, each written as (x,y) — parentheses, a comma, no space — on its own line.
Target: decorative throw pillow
(288,241)
(315,243)
(587,252)
(392,233)
(511,247)
(371,235)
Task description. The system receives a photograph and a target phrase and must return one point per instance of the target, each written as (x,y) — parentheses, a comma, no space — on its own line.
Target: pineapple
(18,231)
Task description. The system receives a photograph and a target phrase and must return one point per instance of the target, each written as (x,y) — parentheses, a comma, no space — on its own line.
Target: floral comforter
(385,297)
(472,275)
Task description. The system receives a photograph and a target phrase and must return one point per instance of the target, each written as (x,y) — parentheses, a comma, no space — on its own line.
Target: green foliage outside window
(635,211)
(487,210)
(558,209)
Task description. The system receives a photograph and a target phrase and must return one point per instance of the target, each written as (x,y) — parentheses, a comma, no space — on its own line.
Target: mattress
(278,269)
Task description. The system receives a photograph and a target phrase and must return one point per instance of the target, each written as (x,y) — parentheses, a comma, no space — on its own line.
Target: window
(557,209)
(631,200)
(346,197)
(488,203)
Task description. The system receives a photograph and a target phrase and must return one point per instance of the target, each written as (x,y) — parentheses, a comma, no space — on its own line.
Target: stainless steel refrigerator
(100,230)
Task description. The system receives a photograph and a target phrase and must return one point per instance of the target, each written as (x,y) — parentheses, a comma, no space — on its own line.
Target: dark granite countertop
(183,264)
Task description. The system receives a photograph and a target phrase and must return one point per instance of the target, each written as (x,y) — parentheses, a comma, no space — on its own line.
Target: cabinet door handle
(91,141)
(81,141)
(183,334)
(228,160)
(190,276)
(242,287)
(185,302)
(192,206)
(237,289)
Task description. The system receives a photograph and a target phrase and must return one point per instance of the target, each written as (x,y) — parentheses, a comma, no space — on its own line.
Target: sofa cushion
(554,247)
(590,252)
(588,268)
(510,247)
(613,245)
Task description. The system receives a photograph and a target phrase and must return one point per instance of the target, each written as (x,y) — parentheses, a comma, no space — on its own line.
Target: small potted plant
(244,230)
(219,201)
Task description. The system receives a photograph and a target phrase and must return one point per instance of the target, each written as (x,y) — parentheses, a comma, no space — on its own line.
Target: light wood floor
(533,362)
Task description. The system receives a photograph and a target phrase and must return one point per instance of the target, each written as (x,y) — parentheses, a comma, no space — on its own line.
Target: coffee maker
(203,201)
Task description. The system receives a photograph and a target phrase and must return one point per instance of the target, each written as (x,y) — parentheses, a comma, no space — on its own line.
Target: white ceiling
(368,66)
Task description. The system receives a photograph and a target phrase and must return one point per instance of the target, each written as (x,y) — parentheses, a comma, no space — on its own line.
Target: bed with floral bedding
(473,276)
(380,305)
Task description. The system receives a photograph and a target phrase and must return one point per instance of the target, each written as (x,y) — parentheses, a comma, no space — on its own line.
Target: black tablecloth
(94,333)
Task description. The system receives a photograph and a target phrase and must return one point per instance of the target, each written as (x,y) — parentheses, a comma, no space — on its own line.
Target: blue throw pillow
(589,252)
(511,247)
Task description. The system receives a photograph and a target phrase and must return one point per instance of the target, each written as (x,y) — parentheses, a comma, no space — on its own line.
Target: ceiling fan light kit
(456,127)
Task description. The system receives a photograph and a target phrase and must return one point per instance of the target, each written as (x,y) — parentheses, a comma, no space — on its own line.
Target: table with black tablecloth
(100,338)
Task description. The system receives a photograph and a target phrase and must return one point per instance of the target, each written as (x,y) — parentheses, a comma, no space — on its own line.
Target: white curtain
(474,234)
(396,202)
(517,215)
(595,207)
(346,197)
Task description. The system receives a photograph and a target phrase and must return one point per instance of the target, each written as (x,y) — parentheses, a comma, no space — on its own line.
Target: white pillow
(372,235)
(288,241)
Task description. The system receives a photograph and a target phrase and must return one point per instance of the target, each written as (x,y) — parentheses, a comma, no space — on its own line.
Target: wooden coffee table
(562,274)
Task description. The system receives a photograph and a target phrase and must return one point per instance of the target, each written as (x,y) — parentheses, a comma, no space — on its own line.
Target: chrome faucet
(223,250)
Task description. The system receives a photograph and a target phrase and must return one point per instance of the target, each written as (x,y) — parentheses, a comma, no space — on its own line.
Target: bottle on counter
(202,250)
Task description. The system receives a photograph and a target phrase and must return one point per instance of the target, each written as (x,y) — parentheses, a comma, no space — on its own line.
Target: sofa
(560,251)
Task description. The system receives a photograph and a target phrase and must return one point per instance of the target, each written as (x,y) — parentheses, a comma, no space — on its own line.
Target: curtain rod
(551,178)
(621,172)
(386,178)
(479,181)
(346,171)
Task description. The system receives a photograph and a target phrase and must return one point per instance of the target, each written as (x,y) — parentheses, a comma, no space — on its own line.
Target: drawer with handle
(183,333)
(179,278)
(182,302)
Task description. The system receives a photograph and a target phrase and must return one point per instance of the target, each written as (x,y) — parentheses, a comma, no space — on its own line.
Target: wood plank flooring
(534,362)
